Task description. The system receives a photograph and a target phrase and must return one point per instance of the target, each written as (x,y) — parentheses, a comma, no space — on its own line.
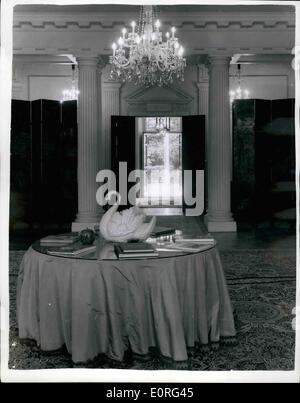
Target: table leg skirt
(102,307)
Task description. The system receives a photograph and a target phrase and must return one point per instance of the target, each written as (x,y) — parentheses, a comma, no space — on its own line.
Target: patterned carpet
(262,289)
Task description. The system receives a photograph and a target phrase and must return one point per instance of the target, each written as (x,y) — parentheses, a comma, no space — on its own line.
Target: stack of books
(135,250)
(62,239)
(71,250)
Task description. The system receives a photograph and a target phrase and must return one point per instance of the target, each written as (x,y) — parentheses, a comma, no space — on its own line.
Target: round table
(97,304)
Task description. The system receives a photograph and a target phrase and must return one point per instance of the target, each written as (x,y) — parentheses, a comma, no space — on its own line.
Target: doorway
(170,152)
(161,161)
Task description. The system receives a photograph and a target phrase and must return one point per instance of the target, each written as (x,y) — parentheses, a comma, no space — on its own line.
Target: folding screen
(263,158)
(44,162)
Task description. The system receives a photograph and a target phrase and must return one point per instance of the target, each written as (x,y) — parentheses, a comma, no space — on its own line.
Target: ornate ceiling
(73,30)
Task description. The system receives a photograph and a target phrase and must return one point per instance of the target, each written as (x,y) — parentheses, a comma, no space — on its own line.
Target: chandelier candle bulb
(133,26)
(173,32)
(124,30)
(120,42)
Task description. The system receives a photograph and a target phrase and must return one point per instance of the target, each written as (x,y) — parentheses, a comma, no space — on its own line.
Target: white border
(107,375)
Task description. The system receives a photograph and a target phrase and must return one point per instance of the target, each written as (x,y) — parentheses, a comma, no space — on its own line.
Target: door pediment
(158,101)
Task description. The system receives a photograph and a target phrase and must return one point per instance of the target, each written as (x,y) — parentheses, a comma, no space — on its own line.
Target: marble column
(203,86)
(101,141)
(101,138)
(88,214)
(219,217)
(110,107)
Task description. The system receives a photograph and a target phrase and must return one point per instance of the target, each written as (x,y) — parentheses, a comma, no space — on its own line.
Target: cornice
(203,21)
(192,60)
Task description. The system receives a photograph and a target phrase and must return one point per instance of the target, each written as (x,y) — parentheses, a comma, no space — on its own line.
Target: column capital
(87,60)
(201,85)
(114,85)
(219,59)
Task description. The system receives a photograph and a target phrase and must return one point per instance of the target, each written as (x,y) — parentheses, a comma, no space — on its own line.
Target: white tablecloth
(98,307)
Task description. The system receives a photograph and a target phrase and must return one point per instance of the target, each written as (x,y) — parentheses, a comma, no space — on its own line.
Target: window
(162,161)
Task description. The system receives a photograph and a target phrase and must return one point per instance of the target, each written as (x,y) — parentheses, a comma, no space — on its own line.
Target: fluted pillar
(110,107)
(203,86)
(101,136)
(88,110)
(219,217)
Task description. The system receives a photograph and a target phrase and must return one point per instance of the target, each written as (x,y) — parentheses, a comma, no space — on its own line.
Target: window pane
(175,124)
(150,124)
(162,165)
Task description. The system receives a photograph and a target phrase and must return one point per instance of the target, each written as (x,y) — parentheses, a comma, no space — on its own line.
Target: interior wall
(265,80)
(47,80)
(40,80)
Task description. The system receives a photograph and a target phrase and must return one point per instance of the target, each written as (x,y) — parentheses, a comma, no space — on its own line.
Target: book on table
(134,250)
(207,238)
(68,238)
(71,250)
(184,246)
(162,231)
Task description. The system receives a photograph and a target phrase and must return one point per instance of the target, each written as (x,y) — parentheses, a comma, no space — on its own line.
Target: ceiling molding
(98,23)
(191,59)
(61,33)
(44,59)
(262,58)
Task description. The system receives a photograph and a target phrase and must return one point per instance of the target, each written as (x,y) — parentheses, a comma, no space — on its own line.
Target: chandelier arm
(121,65)
(161,68)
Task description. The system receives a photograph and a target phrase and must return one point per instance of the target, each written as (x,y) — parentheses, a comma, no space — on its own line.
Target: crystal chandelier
(72,93)
(239,93)
(144,57)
